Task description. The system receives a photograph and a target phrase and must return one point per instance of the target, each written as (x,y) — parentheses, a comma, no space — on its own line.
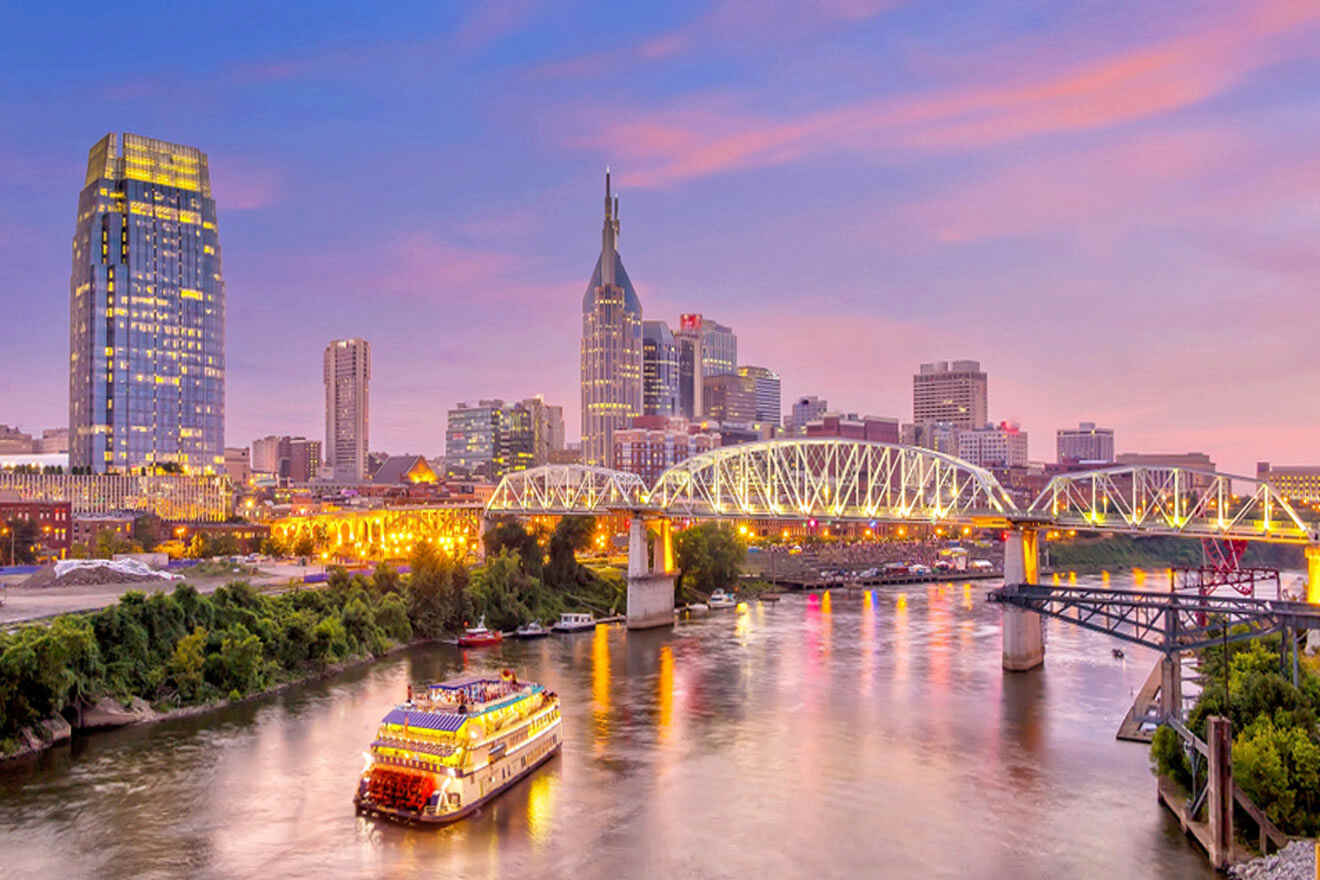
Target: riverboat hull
(479,641)
(410,817)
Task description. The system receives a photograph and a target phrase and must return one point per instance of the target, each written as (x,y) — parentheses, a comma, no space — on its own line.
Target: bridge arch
(830,477)
(1170,501)
(564,489)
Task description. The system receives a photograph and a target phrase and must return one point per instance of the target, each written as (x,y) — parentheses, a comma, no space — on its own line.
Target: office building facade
(147,312)
(705,348)
(769,406)
(1086,442)
(490,439)
(955,393)
(659,370)
(805,409)
(611,364)
(346,369)
(1298,483)
(991,446)
(730,398)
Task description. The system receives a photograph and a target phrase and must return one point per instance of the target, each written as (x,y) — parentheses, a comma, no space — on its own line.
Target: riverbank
(1296,861)
(1090,553)
(109,713)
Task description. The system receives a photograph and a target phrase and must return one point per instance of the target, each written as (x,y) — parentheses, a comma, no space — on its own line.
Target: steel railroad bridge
(846,480)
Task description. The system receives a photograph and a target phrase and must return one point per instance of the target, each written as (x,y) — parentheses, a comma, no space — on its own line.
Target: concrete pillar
(1171,686)
(1024,632)
(1313,573)
(650,588)
(638,564)
(1219,799)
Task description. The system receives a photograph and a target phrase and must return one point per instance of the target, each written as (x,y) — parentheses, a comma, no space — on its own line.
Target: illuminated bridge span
(830,477)
(1169,501)
(561,489)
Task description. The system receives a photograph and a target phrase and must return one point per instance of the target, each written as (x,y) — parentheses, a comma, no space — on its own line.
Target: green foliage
(709,557)
(109,543)
(508,597)
(1166,753)
(510,536)
(17,536)
(437,592)
(273,546)
(187,663)
(1276,749)
(304,545)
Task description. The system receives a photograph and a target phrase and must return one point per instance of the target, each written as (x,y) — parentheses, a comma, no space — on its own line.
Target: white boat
(532,630)
(698,608)
(721,599)
(574,622)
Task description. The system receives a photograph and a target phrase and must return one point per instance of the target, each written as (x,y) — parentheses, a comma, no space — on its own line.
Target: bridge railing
(567,489)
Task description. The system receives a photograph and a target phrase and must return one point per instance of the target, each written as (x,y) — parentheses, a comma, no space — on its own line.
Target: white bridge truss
(832,478)
(562,489)
(1170,501)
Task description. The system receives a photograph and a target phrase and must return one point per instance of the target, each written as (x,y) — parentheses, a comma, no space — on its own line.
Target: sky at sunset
(1112,205)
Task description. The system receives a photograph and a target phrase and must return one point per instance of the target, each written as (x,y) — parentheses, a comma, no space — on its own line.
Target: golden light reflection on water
(1072,578)
(666,695)
(1139,577)
(1054,579)
(600,686)
(967,597)
(867,641)
(902,638)
(1104,576)
(826,624)
(742,623)
(541,796)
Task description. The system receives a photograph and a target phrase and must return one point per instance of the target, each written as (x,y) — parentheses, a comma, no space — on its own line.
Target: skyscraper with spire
(611,346)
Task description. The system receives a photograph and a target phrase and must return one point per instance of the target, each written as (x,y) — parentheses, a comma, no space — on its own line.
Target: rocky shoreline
(108,713)
(1296,861)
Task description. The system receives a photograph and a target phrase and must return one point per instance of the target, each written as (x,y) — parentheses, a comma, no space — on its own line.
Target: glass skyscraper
(611,346)
(659,370)
(147,312)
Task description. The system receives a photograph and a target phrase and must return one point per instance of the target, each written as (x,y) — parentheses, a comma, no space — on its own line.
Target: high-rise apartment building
(705,348)
(953,393)
(347,371)
(659,370)
(767,388)
(147,312)
(611,367)
(1086,442)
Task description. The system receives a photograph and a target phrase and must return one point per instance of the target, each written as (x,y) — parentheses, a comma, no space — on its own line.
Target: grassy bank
(1093,553)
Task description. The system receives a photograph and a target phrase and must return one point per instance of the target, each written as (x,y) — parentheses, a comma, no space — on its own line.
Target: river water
(814,737)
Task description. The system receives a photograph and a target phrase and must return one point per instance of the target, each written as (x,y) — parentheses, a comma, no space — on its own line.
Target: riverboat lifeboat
(571,622)
(477,636)
(442,755)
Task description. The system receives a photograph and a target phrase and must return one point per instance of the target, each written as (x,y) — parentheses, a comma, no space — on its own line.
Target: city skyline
(1153,229)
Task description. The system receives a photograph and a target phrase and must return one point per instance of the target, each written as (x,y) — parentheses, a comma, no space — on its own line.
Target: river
(812,737)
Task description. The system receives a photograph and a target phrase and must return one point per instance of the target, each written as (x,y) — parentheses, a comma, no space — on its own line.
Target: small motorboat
(478,636)
(721,599)
(698,608)
(573,622)
(1118,653)
(532,630)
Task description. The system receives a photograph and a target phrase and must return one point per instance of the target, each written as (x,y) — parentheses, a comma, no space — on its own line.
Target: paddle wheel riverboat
(440,756)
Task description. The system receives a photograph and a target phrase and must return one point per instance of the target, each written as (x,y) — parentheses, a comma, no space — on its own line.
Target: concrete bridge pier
(1024,631)
(650,583)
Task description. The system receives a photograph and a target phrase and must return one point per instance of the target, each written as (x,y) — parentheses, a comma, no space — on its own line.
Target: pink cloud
(491,20)
(714,135)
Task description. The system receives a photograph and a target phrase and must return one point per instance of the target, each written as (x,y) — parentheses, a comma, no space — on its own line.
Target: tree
(437,592)
(509,535)
(18,535)
(709,556)
(571,534)
(187,662)
(147,530)
(505,594)
(304,545)
(111,542)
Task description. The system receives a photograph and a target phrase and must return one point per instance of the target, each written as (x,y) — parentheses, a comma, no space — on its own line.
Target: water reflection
(813,737)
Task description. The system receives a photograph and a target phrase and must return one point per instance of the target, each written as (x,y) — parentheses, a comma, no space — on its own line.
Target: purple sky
(1112,205)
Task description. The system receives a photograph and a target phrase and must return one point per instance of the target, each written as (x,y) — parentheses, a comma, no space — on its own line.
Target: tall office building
(147,312)
(611,346)
(659,370)
(767,387)
(1086,442)
(705,348)
(347,370)
(730,398)
(490,439)
(953,393)
(547,426)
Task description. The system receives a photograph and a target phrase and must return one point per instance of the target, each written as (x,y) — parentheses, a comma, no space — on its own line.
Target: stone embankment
(1296,861)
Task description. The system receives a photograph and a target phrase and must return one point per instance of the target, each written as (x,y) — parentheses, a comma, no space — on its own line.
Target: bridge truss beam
(1165,622)
(1170,501)
(834,478)
(559,490)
